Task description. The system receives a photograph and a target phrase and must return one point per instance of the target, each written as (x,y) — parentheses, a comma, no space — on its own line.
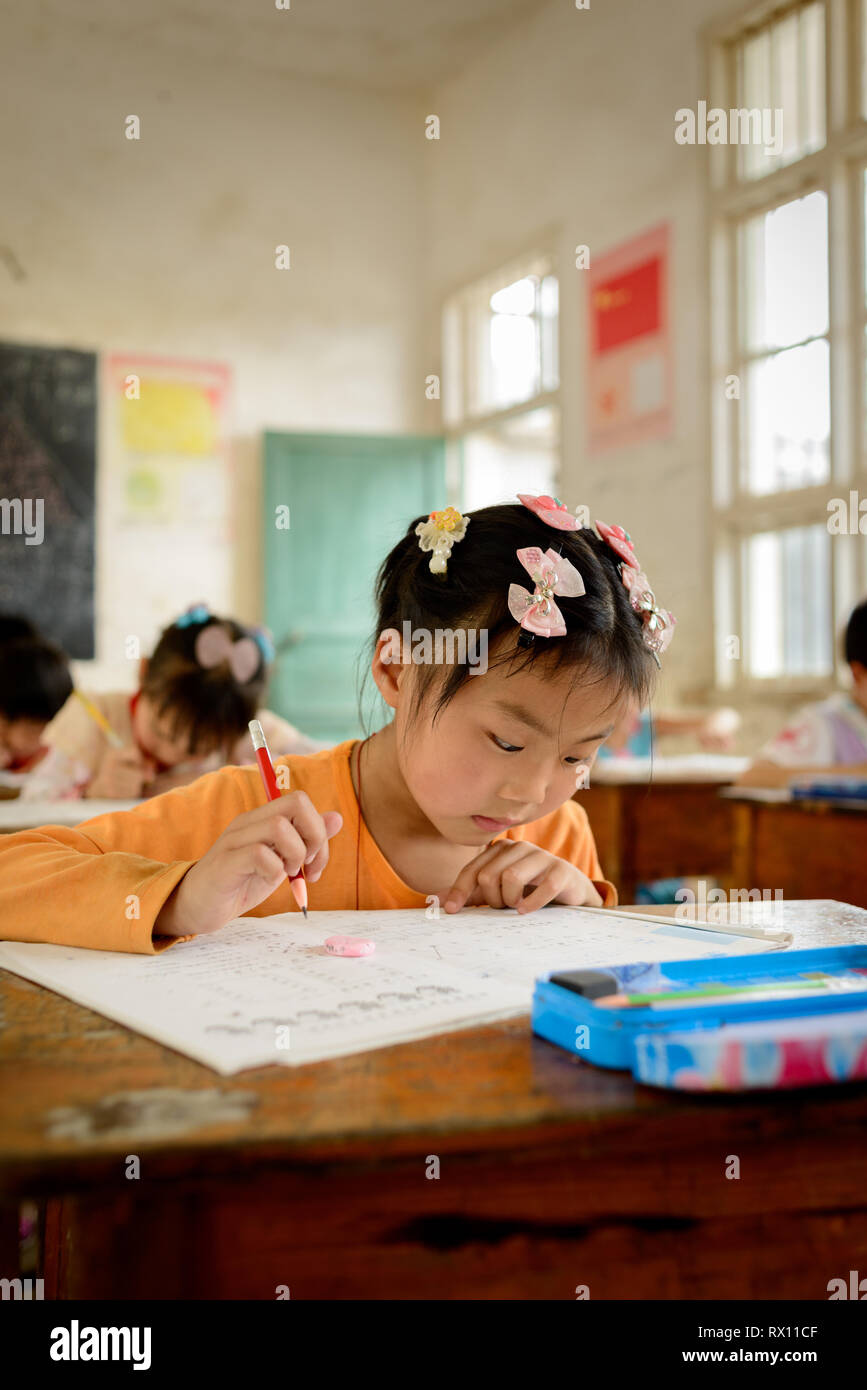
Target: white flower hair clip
(439,533)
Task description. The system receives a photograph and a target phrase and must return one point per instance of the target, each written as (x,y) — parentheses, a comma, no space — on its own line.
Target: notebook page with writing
(510,946)
(233,1000)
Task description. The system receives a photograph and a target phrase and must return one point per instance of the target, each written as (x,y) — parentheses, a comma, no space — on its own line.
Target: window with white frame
(500,384)
(788,336)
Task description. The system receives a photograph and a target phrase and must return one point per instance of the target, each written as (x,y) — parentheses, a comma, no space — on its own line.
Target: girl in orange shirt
(508,644)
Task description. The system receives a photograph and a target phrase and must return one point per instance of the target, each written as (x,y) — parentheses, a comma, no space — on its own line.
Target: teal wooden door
(350,498)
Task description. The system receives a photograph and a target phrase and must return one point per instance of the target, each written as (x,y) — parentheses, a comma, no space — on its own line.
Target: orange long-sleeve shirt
(104,883)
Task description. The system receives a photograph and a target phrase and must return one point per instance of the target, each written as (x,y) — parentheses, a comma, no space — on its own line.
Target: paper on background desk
(687,767)
(221,999)
(29,815)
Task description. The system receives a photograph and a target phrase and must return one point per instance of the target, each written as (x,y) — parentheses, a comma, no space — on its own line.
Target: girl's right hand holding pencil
(249,861)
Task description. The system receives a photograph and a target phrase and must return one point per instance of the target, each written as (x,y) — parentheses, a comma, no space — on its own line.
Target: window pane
(754,93)
(813,68)
(788,602)
(782,68)
(519,298)
(521,454)
(787,72)
(784,259)
(787,417)
(549,310)
(503,341)
(514,348)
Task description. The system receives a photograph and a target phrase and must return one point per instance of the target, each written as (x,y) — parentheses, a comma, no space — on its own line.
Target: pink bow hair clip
(552,511)
(552,574)
(620,542)
(214,646)
(657,622)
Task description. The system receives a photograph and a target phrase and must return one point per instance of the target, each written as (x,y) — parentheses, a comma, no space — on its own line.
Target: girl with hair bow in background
(196,695)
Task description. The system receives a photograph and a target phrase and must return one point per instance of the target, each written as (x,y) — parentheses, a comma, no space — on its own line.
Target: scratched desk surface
(80,1092)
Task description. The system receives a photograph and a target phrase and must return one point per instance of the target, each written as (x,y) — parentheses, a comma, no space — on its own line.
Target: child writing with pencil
(465,796)
(197,693)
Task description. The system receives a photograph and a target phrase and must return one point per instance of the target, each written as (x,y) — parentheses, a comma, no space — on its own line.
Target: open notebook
(264,990)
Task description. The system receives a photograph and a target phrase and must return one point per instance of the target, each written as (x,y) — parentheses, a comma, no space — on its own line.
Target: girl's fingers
(260,862)
(266,863)
(545,892)
(479,881)
(534,867)
(290,835)
(467,879)
(313,868)
(501,881)
(277,833)
(300,817)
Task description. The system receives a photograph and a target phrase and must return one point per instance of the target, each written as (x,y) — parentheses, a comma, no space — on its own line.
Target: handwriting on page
(222,999)
(234,999)
(508,946)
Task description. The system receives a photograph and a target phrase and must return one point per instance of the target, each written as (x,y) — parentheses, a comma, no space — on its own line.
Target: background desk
(674,826)
(553,1173)
(27,815)
(805,848)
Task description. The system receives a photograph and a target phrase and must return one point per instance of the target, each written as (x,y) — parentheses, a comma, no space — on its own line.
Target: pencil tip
(304,910)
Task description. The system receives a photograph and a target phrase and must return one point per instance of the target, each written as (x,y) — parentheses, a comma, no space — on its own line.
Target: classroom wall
(560,133)
(563,134)
(166,246)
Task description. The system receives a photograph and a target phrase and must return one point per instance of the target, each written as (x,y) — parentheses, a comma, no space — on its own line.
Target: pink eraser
(349,946)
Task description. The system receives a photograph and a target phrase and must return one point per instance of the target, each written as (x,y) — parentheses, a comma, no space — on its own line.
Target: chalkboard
(48,457)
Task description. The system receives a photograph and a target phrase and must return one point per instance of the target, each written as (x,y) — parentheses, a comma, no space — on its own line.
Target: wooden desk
(805,848)
(553,1173)
(665,830)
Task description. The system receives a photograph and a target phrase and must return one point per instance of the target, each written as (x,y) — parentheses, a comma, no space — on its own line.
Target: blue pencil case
(796,1019)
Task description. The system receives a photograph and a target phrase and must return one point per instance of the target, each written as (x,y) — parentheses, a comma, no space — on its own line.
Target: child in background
(196,696)
(637,733)
(827,737)
(466,794)
(34,684)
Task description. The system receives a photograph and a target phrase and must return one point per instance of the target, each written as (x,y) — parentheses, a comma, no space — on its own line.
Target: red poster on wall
(629,376)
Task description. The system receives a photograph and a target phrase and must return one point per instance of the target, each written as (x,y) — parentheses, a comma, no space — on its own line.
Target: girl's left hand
(499,875)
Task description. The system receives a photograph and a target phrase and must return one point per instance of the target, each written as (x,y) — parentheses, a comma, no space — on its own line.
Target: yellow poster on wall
(171,417)
(167,492)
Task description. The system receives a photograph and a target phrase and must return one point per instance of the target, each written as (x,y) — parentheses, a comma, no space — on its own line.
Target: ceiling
(393,45)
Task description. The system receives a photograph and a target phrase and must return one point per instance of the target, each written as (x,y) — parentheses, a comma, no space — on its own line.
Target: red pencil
(296,881)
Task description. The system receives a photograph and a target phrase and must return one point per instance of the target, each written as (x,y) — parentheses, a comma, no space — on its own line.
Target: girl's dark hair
(207,705)
(34,679)
(604,638)
(856,635)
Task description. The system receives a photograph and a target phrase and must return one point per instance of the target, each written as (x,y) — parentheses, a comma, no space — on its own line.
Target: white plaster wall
(166,246)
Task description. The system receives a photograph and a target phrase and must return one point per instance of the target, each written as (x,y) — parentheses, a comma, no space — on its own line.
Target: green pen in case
(737,1023)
